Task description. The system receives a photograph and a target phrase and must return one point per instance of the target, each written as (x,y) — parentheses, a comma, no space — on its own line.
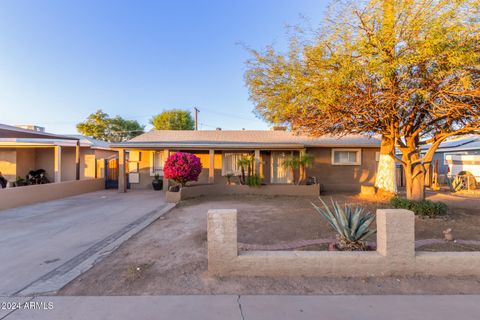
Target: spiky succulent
(352,224)
(456,184)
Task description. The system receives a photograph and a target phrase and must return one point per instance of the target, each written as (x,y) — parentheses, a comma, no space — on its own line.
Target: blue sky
(62,60)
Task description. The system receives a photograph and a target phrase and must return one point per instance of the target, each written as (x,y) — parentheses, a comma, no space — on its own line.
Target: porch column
(122,174)
(77,160)
(303,170)
(257,161)
(57,163)
(166,153)
(211,168)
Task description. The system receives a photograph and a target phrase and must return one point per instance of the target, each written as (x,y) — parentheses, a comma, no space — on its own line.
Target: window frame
(358,157)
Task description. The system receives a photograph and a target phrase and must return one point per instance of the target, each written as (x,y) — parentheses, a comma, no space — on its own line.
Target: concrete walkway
(46,245)
(248,307)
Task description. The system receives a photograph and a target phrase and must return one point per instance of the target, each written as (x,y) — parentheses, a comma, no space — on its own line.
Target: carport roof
(7,131)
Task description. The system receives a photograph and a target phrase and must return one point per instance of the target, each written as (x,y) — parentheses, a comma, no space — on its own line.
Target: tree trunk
(415,182)
(386,179)
(414,174)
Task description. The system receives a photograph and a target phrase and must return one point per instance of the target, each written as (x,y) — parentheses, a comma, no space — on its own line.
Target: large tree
(100,125)
(408,70)
(174,119)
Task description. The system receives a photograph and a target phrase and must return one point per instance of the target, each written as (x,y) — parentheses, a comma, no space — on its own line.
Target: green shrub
(424,208)
(254,180)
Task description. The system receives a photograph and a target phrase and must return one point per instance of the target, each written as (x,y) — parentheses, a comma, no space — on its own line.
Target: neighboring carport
(18,148)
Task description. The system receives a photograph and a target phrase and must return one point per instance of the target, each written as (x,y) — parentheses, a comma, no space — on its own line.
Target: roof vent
(279,128)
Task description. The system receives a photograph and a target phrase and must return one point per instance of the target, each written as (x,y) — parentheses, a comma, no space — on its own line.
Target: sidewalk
(226,307)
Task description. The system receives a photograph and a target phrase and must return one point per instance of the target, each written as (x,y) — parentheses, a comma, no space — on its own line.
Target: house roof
(12,136)
(469,142)
(243,139)
(7,131)
(91,142)
(456,144)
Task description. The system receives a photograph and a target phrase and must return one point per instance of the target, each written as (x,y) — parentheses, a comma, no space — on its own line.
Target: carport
(18,149)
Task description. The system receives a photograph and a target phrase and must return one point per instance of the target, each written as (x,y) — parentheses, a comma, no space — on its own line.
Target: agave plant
(457,184)
(351,224)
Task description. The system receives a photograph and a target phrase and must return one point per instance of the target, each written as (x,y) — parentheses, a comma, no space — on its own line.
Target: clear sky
(62,60)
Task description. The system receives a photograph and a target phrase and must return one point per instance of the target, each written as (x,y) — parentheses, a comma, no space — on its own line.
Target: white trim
(358,161)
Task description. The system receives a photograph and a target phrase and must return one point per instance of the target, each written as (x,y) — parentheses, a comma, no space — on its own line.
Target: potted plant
(229,176)
(20,182)
(157,182)
(351,224)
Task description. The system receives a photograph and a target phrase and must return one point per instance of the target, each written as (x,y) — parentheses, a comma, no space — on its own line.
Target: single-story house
(63,157)
(339,163)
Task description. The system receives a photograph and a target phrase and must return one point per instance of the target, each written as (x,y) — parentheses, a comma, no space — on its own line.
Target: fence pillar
(396,238)
(222,238)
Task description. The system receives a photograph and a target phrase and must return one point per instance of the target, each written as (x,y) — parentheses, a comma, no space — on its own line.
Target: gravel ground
(170,256)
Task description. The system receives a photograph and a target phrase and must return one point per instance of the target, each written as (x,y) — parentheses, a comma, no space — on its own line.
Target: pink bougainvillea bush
(182,167)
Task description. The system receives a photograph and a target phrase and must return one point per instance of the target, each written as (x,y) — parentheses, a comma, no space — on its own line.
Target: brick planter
(173,197)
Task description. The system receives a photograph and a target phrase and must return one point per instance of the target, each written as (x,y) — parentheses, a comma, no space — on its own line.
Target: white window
(229,163)
(346,157)
(156,163)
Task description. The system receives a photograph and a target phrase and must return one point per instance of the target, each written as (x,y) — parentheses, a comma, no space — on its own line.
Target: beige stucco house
(63,157)
(339,163)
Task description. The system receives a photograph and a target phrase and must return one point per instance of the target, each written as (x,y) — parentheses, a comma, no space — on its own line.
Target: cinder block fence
(395,254)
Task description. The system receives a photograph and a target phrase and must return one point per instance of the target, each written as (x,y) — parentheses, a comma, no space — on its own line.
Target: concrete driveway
(44,246)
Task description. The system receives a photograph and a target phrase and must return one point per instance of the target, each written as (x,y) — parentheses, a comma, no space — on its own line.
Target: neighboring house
(455,156)
(459,156)
(63,157)
(339,163)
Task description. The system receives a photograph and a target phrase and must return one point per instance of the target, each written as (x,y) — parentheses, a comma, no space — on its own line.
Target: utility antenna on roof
(196,117)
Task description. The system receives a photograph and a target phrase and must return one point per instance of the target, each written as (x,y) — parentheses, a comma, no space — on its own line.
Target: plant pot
(157,185)
(174,188)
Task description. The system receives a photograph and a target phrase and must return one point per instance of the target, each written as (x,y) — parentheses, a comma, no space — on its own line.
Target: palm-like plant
(245,162)
(351,224)
(301,162)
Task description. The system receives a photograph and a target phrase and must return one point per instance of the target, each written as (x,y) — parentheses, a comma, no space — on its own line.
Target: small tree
(174,119)
(100,125)
(182,167)
(405,70)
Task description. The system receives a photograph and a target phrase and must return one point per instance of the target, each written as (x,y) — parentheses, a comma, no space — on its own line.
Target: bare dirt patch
(172,255)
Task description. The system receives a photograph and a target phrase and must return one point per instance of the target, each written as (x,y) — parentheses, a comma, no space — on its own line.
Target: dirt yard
(170,256)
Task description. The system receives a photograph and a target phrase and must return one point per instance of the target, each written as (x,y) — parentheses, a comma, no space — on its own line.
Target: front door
(280,174)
